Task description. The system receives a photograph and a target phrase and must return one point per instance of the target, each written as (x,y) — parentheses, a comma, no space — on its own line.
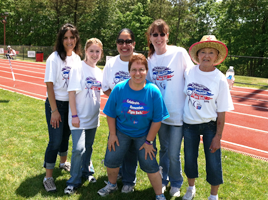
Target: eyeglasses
(156,34)
(121,41)
(134,71)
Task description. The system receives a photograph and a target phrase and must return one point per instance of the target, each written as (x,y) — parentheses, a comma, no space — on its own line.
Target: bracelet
(73,116)
(148,143)
(52,111)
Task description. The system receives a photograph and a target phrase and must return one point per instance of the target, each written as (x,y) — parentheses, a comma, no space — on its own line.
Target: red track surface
(246,128)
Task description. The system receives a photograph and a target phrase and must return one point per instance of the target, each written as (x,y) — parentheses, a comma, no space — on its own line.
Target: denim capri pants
(114,159)
(192,134)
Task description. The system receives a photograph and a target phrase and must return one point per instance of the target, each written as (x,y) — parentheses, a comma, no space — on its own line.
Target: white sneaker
(127,188)
(49,184)
(213,198)
(107,189)
(164,188)
(92,179)
(161,197)
(189,194)
(69,190)
(174,192)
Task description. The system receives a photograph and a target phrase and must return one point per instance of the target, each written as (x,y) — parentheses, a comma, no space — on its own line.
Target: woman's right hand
(111,142)
(76,122)
(55,119)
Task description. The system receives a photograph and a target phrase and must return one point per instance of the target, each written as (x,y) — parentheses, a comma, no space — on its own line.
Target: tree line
(242,24)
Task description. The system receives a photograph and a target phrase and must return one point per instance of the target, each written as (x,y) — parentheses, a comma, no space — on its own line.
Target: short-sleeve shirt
(207,93)
(57,72)
(134,111)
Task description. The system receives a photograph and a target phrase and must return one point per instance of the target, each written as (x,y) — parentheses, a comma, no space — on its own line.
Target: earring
(167,40)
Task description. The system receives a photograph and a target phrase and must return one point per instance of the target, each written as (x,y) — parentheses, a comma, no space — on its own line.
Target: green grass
(253,82)
(24,139)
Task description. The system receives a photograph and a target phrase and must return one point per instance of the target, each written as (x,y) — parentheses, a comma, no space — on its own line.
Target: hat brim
(221,47)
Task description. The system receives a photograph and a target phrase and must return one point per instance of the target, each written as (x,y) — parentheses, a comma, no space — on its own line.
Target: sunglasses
(121,41)
(156,34)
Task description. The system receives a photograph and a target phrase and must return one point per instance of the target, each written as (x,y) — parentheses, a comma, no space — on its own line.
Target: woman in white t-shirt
(85,98)
(58,66)
(166,68)
(208,98)
(115,71)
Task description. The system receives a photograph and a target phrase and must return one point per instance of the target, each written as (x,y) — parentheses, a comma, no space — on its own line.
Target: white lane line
(250,93)
(11,89)
(244,146)
(26,65)
(249,98)
(248,114)
(25,70)
(247,128)
(23,81)
(240,104)
(23,75)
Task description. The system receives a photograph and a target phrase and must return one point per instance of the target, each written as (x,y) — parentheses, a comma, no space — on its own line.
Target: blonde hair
(93,41)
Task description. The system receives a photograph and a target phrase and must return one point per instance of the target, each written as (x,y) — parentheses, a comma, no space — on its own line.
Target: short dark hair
(140,58)
(128,31)
(59,42)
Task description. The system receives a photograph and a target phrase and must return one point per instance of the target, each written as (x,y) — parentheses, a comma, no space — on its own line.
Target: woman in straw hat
(208,98)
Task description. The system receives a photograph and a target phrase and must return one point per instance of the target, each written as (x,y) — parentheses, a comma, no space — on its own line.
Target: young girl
(58,66)
(84,94)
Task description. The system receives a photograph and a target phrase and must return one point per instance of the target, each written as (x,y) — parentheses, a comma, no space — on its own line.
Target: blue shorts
(114,159)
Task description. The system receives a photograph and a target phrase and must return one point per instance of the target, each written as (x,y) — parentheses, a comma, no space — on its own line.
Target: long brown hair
(159,25)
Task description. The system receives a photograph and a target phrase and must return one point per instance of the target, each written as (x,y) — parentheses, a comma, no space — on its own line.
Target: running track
(245,131)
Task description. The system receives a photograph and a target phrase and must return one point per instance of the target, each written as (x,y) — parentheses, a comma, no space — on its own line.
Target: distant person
(115,71)
(208,98)
(11,53)
(134,112)
(84,99)
(166,68)
(58,66)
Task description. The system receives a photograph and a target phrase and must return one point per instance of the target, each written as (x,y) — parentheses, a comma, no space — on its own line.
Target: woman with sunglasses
(115,71)
(166,68)
(58,66)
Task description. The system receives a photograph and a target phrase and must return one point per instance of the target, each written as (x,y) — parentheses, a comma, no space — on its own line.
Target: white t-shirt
(86,81)
(57,72)
(166,71)
(114,72)
(207,93)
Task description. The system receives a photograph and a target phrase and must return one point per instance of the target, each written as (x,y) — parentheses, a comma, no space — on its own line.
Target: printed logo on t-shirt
(197,93)
(92,84)
(134,108)
(65,75)
(161,75)
(120,76)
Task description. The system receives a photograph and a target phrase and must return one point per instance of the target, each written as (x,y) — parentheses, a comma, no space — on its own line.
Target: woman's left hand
(149,149)
(215,144)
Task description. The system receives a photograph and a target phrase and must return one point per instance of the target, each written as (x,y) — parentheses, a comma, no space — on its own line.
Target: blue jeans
(170,138)
(129,166)
(83,140)
(114,159)
(192,134)
(59,137)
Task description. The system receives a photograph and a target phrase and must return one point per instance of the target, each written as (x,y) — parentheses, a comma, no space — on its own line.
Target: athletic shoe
(174,192)
(107,189)
(66,166)
(213,198)
(164,187)
(189,194)
(49,184)
(127,188)
(69,190)
(160,197)
(92,179)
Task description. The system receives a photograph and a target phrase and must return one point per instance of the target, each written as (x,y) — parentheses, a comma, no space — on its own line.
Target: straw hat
(209,41)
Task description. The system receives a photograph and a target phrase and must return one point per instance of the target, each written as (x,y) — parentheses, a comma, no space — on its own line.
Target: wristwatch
(151,142)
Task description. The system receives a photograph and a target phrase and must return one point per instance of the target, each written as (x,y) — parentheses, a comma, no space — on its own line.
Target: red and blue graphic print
(92,84)
(134,108)
(198,92)
(120,76)
(65,75)
(161,75)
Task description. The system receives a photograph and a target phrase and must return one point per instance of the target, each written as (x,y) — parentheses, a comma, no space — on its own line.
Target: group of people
(165,94)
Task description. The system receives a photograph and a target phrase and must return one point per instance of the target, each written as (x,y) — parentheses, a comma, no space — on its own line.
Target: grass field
(24,139)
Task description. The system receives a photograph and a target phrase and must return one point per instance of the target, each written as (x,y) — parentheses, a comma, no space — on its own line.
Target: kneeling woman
(134,112)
